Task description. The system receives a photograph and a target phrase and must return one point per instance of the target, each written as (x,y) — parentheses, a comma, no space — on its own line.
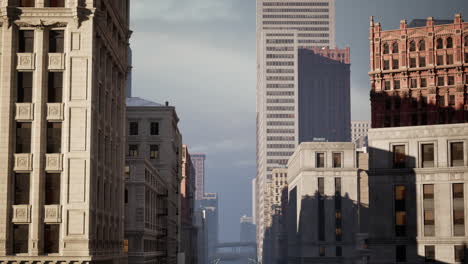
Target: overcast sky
(200,56)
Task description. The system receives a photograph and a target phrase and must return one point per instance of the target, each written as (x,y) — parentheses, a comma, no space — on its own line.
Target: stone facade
(62,130)
(198,160)
(153,134)
(418,180)
(419,75)
(324,204)
(359,129)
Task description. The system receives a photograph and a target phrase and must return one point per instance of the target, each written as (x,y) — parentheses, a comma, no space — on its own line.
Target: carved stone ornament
(56,61)
(41,24)
(26,61)
(54,162)
(24,112)
(53,213)
(21,214)
(23,162)
(55,111)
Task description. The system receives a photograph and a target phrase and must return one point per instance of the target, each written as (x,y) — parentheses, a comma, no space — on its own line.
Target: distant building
(153,134)
(247,229)
(359,129)
(199,164)
(211,208)
(416,74)
(129,74)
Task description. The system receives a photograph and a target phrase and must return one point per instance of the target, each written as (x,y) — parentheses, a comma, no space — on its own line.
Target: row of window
(24,87)
(280,93)
(279,131)
(21,239)
(306,22)
(280,138)
(134,151)
(323,41)
(280,101)
(134,128)
(277,161)
(280,123)
(22,188)
(280,56)
(456,155)
(26,41)
(280,108)
(280,63)
(413,82)
(280,70)
(273,146)
(280,78)
(280,153)
(430,253)
(280,115)
(269,48)
(49,3)
(295,10)
(280,85)
(279,35)
(53,137)
(336,160)
(295,4)
(295,16)
(280,41)
(421,45)
(298,28)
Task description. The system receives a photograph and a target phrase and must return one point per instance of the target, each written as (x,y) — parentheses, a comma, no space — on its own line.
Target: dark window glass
(51,239)
(428,191)
(55,88)
(466,57)
(412,62)
(395,64)
(320,160)
(126,196)
(456,154)
(336,160)
(449,59)
(339,252)
(458,217)
(22,186)
(54,137)
(458,190)
(400,210)
(459,253)
(449,43)
(56,41)
(321,209)
(399,156)
(422,61)
(439,43)
(458,210)
(386,65)
(413,83)
(56,3)
(154,151)
(322,251)
(441,100)
(386,48)
(133,150)
(20,239)
(440,59)
(23,137)
(52,188)
(400,254)
(429,253)
(24,87)
(429,218)
(423,82)
(154,128)
(451,100)
(26,40)
(133,128)
(396,84)
(422,45)
(451,80)
(395,47)
(427,155)
(412,46)
(387,85)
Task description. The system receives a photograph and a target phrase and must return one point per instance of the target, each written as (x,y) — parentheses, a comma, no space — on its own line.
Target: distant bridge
(239,252)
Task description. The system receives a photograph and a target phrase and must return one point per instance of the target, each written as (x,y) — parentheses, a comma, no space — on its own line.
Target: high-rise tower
(62,130)
(282,28)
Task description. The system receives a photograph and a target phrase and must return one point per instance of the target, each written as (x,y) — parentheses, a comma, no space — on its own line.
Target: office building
(153,134)
(417,73)
(199,164)
(211,209)
(247,229)
(62,125)
(359,129)
(282,28)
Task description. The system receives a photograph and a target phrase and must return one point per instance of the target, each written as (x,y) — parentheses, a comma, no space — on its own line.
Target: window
(24,87)
(427,151)
(456,154)
(54,137)
(23,137)
(321,209)
(20,239)
(459,253)
(412,62)
(396,84)
(386,65)
(423,82)
(399,156)
(413,83)
(440,59)
(441,100)
(440,81)
(386,49)
(466,57)
(395,64)
(26,41)
(451,80)
(400,210)
(439,43)
(52,188)
(51,239)
(133,150)
(458,209)
(133,128)
(449,43)
(451,100)
(412,46)
(55,87)
(56,40)
(56,3)
(449,59)
(429,253)
(387,85)
(154,151)
(320,160)
(400,255)
(466,41)
(422,61)
(22,183)
(395,47)
(322,251)
(339,252)
(422,45)
(154,128)
(338,219)
(336,160)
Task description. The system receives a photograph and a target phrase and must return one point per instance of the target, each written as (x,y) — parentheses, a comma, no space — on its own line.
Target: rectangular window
(386,65)
(396,84)
(422,61)
(441,100)
(459,253)
(24,87)
(154,128)
(395,64)
(55,87)
(54,137)
(451,80)
(133,150)
(322,251)
(339,251)
(321,209)
(451,100)
(338,218)
(336,160)
(399,156)
(440,81)
(429,253)
(412,62)
(154,151)
(440,60)
(56,41)
(466,57)
(51,239)
(52,188)
(456,154)
(133,129)
(423,82)
(320,160)
(20,239)
(458,210)
(400,210)
(413,83)
(23,137)
(56,3)
(26,40)
(427,155)
(400,255)
(22,186)
(449,59)
(387,85)
(428,207)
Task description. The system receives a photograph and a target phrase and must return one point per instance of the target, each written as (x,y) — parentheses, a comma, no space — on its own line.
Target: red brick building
(419,75)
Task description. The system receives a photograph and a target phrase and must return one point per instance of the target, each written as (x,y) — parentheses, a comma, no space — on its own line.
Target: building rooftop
(137,101)
(422,22)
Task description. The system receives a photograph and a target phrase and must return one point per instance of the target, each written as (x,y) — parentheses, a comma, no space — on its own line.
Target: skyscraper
(199,164)
(62,131)
(282,28)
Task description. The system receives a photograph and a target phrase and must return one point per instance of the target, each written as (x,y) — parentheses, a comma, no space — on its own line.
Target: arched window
(395,47)
(422,45)
(466,41)
(386,49)
(440,43)
(412,46)
(449,43)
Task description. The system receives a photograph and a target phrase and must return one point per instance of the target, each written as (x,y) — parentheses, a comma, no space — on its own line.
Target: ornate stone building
(418,73)
(62,120)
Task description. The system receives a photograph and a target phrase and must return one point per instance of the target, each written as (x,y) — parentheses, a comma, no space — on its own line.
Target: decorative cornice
(41,24)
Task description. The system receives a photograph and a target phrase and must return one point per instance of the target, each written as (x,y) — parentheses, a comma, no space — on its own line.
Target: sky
(199,55)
